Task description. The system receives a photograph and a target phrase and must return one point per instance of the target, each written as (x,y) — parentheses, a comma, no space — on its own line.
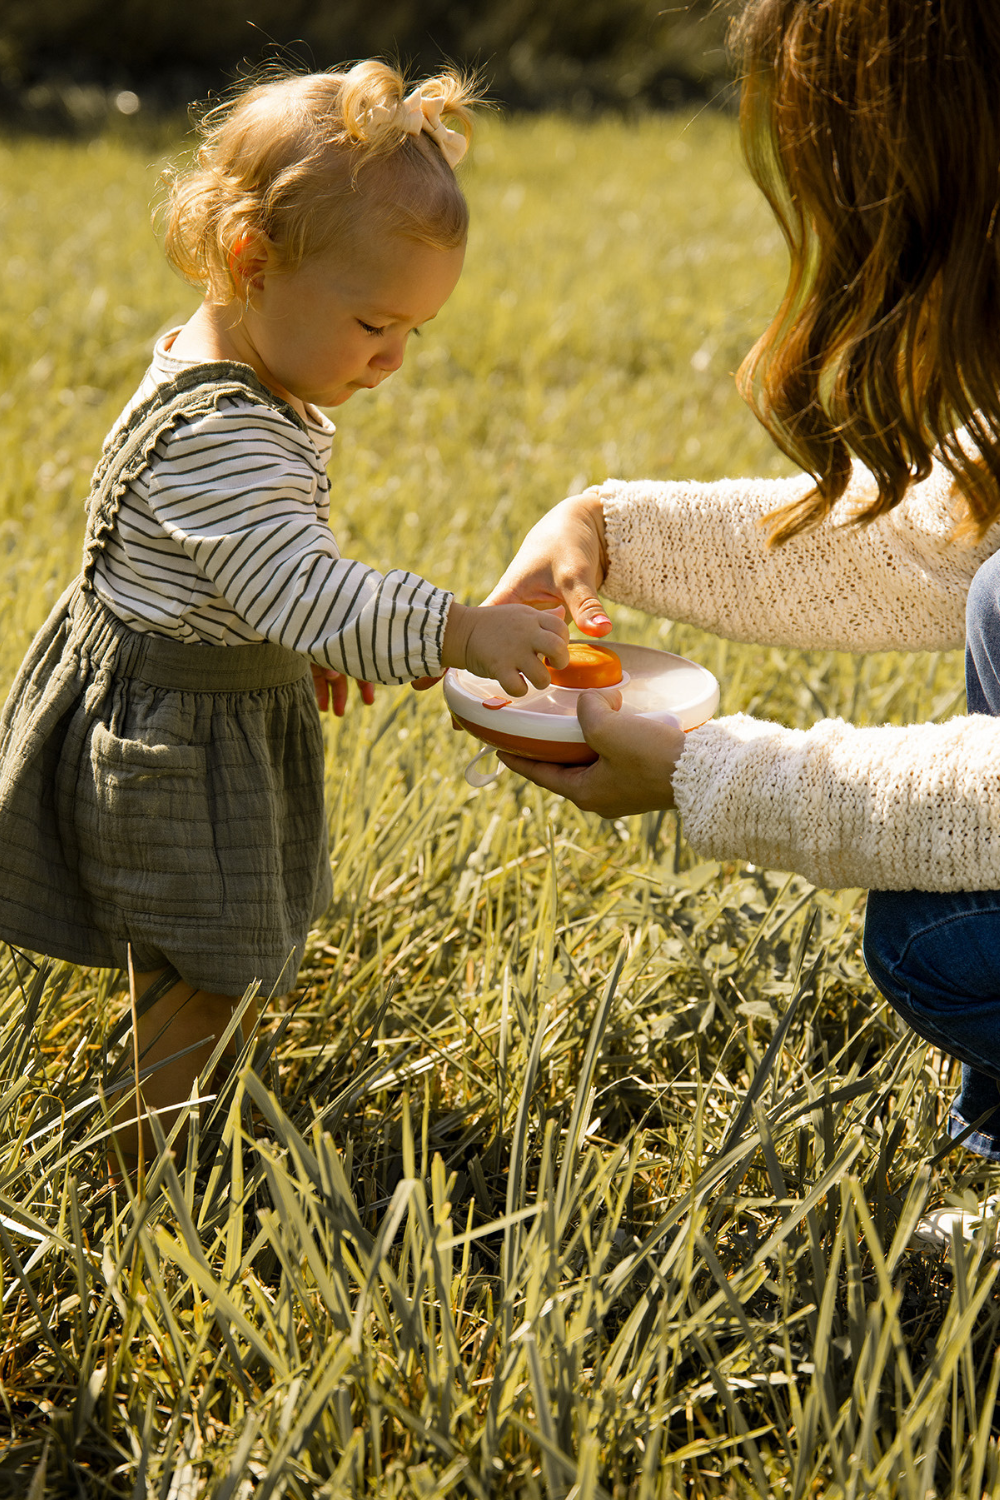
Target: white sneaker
(966,1216)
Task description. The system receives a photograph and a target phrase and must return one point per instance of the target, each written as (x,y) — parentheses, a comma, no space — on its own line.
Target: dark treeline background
(65,63)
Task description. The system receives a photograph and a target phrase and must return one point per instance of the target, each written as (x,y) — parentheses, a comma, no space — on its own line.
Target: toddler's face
(339,324)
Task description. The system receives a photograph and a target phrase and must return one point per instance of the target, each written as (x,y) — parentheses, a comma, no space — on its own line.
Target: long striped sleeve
(225,538)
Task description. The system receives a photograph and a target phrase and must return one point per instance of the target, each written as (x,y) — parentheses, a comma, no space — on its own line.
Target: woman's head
(311,163)
(873,127)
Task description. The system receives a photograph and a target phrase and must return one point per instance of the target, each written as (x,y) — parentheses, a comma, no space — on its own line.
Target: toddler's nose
(390,357)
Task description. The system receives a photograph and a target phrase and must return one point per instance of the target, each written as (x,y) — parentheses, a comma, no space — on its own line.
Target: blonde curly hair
(309,161)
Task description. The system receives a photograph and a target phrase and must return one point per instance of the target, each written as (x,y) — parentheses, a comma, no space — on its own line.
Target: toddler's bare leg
(182,1018)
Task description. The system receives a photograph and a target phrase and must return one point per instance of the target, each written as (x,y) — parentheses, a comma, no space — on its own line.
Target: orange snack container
(542,724)
(589,666)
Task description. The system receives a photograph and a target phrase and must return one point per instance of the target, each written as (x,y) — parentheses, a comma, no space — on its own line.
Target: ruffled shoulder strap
(194,393)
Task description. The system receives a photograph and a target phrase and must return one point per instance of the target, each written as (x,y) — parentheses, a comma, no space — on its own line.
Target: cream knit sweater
(889,808)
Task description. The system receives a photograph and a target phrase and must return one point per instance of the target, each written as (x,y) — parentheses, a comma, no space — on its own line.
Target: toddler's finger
(338,694)
(537,672)
(321,688)
(554,649)
(552,622)
(367,690)
(554,630)
(513,683)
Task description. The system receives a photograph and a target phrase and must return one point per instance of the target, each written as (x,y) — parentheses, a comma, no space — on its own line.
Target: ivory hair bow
(417,113)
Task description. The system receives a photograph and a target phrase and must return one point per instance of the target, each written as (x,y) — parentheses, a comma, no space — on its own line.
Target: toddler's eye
(369,329)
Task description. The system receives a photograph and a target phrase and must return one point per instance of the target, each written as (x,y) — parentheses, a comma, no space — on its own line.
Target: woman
(873,128)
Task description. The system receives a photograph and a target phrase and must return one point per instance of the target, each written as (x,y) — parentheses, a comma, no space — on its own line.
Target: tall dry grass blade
(22,1037)
(983,1437)
(37,1485)
(582,1098)
(387,1233)
(767,1063)
(750,1450)
(517,1171)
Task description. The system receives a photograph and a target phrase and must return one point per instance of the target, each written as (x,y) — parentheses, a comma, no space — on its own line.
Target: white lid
(658,682)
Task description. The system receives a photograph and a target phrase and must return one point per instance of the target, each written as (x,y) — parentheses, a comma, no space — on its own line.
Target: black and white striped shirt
(224,539)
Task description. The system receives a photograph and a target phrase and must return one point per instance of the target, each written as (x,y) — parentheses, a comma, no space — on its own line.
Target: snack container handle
(475,777)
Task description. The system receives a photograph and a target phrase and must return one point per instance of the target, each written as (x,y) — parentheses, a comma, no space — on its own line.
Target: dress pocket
(144,828)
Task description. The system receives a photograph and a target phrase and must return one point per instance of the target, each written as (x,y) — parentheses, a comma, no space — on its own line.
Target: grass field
(578,1167)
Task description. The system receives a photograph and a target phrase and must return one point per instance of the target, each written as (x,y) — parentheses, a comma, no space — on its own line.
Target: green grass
(576,1166)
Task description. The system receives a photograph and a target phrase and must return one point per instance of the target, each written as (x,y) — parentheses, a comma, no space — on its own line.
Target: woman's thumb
(597,711)
(587,610)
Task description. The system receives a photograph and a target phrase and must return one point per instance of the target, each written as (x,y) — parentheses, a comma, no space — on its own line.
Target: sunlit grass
(575,1165)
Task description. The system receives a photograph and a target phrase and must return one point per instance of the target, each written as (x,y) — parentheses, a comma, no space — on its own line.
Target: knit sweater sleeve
(891,808)
(698,553)
(888,808)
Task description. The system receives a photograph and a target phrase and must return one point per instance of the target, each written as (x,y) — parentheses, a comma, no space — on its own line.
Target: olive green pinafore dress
(156,794)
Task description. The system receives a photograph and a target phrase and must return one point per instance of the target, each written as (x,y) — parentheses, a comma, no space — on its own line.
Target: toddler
(161,760)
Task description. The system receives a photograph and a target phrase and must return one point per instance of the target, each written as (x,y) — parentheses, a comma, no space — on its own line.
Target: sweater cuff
(731,790)
(632,542)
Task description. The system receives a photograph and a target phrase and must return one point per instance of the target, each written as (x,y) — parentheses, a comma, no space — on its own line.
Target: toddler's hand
(331,689)
(506,642)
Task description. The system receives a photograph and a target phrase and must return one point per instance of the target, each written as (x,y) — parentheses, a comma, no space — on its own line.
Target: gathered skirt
(164,796)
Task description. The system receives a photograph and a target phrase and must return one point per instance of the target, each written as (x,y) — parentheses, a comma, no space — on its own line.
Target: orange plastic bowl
(543,725)
(561,752)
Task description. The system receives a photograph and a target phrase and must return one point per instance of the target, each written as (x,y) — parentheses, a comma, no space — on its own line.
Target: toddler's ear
(252,254)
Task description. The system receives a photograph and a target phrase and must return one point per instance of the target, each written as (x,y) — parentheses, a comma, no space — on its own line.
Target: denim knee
(884,941)
(982,639)
(936,958)
(885,949)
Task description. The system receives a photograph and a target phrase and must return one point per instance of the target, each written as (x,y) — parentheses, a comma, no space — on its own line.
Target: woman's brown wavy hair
(873,128)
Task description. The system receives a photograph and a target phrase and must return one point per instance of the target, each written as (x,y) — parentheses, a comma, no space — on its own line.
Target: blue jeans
(935,957)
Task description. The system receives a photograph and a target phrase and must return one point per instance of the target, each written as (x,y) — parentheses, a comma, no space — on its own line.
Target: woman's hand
(636,767)
(331,689)
(562,560)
